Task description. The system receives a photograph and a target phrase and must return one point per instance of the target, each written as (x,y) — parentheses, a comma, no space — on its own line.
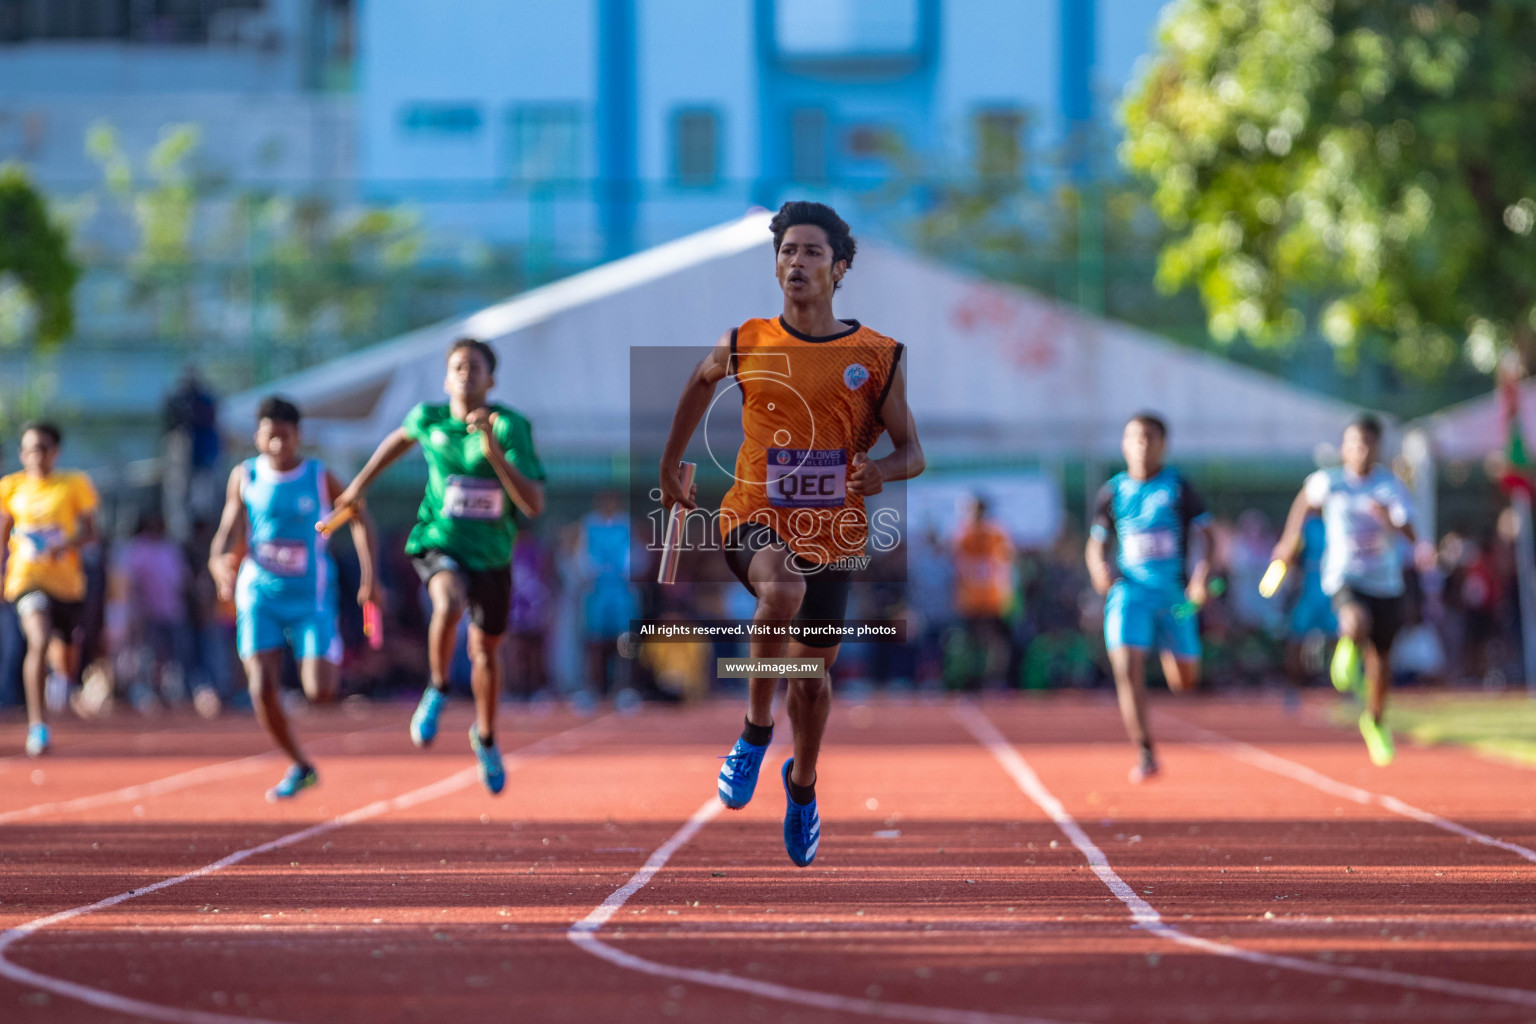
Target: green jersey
(466,512)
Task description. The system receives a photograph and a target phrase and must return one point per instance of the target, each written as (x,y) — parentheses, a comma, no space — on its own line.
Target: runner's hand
(370,590)
(225,569)
(1285,551)
(350,496)
(672,489)
(1197,591)
(481,420)
(866,478)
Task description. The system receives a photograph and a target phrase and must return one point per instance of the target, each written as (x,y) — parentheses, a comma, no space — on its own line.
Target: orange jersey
(808,406)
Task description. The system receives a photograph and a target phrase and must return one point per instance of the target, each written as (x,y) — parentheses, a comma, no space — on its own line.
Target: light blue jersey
(286,590)
(1312,612)
(1361,551)
(1149,521)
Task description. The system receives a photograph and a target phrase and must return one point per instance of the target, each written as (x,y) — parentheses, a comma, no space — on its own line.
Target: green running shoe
(1378,740)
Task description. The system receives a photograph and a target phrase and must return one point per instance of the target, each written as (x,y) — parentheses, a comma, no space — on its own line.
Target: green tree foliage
(308,268)
(1363,160)
(37,273)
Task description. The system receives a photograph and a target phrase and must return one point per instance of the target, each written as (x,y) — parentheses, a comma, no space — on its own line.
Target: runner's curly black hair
(820,215)
(475,345)
(278,410)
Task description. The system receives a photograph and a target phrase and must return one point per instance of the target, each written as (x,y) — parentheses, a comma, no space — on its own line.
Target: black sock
(487,739)
(1146,748)
(441,688)
(802,795)
(757,735)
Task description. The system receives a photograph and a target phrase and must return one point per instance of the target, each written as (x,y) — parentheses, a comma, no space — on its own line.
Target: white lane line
(174,1015)
(181,780)
(171,783)
(1145,916)
(1260,758)
(584,934)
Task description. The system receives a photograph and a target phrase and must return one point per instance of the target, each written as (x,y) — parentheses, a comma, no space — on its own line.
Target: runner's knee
(780,600)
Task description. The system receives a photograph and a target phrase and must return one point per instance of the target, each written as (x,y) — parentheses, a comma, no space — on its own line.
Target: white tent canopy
(1475,429)
(993,371)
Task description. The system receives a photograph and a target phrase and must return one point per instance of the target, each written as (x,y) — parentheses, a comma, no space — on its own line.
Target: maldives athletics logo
(855,376)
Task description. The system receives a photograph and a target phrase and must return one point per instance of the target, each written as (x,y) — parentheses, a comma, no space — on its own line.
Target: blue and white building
(615,124)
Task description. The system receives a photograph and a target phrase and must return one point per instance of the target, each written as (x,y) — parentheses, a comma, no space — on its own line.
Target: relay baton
(670,548)
(337,519)
(1269,586)
(373,625)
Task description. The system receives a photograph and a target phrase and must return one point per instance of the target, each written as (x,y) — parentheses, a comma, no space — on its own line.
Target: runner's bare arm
(691,406)
(363,535)
(389,449)
(526,493)
(228,546)
(1098,565)
(907,459)
(85,534)
(1289,544)
(7,524)
(1200,573)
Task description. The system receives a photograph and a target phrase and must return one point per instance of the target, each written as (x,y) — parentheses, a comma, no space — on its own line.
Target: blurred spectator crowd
(981,613)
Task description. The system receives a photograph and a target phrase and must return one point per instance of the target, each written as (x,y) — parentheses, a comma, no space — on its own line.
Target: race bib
(807,478)
(283,557)
(43,541)
(1150,546)
(468,497)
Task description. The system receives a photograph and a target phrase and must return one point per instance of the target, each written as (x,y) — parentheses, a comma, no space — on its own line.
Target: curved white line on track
(1145,916)
(584,934)
(1260,758)
(171,783)
(174,1015)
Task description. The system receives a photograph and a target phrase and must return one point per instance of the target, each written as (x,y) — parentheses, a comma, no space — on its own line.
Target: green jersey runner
(480,463)
(465,512)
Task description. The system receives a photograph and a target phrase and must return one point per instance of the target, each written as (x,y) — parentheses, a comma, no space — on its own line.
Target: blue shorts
(608,608)
(270,625)
(1142,619)
(1313,614)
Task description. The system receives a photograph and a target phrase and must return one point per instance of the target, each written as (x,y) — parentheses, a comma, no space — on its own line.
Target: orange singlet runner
(809,405)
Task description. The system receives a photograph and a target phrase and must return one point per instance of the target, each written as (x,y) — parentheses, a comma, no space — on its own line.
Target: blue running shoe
(491,772)
(738,776)
(37,739)
(299,777)
(802,826)
(424,721)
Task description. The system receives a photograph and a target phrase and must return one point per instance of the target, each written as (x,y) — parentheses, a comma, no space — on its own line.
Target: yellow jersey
(809,405)
(44,515)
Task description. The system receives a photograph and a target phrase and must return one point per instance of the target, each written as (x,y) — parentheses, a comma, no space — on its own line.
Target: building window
(166,22)
(847,28)
(544,142)
(696,146)
(441,119)
(808,145)
(872,142)
(1000,142)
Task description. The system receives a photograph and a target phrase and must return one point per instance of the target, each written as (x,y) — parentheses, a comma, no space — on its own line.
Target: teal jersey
(1149,521)
(287,560)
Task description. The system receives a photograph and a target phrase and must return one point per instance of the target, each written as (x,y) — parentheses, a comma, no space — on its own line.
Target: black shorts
(489,590)
(1386,615)
(826,590)
(63,616)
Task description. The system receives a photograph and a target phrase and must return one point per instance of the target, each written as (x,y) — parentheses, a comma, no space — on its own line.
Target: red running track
(979,864)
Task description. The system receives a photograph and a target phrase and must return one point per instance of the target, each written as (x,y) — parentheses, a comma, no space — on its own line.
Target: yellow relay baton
(1269,586)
